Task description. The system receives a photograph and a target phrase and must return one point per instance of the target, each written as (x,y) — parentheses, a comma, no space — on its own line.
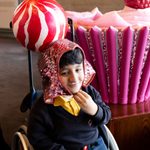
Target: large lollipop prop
(36,23)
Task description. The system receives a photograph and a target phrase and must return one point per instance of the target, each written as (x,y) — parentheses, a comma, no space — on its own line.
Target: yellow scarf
(69,105)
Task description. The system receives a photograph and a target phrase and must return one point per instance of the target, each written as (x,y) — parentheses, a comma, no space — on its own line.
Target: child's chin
(76,91)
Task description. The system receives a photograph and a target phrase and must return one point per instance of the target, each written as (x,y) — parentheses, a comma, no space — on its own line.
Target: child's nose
(72,76)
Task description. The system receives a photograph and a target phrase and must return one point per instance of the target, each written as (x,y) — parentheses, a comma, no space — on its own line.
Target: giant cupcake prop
(117,44)
(37,23)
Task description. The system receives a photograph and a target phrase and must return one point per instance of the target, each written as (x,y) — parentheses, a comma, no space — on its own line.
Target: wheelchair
(20,140)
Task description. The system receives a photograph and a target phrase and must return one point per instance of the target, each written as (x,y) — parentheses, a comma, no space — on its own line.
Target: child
(69,113)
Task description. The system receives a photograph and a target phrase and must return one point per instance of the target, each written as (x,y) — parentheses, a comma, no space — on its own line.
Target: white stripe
(26,26)
(44,29)
(19,7)
(61,16)
(63,20)
(16,24)
(56,20)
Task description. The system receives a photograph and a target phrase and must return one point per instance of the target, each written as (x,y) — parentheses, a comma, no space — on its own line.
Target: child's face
(71,77)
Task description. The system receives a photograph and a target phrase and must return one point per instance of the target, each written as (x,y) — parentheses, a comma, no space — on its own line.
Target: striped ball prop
(37,23)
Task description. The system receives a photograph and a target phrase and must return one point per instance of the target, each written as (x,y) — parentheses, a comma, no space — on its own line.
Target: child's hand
(85,102)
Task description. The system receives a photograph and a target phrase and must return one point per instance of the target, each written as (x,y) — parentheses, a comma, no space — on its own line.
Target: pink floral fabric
(49,66)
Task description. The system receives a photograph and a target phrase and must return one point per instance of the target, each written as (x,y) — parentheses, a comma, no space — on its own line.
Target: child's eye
(64,73)
(78,70)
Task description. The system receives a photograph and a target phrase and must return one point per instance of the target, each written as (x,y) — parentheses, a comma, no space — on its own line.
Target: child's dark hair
(71,57)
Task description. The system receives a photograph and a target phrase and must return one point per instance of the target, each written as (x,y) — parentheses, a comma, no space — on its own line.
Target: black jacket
(53,128)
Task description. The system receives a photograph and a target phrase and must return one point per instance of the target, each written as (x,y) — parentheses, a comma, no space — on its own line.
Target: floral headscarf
(48,65)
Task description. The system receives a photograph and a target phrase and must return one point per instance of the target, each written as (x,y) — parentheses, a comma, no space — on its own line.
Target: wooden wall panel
(87,5)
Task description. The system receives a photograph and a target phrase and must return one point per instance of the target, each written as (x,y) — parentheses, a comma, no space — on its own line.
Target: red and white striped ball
(37,23)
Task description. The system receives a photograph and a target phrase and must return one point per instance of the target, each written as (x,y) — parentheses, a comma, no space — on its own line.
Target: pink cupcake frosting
(135,13)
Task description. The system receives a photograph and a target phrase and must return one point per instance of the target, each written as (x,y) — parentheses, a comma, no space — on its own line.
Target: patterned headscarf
(49,66)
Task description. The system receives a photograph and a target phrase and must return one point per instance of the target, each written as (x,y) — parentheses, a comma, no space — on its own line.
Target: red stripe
(21,34)
(49,19)
(34,28)
(18,13)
